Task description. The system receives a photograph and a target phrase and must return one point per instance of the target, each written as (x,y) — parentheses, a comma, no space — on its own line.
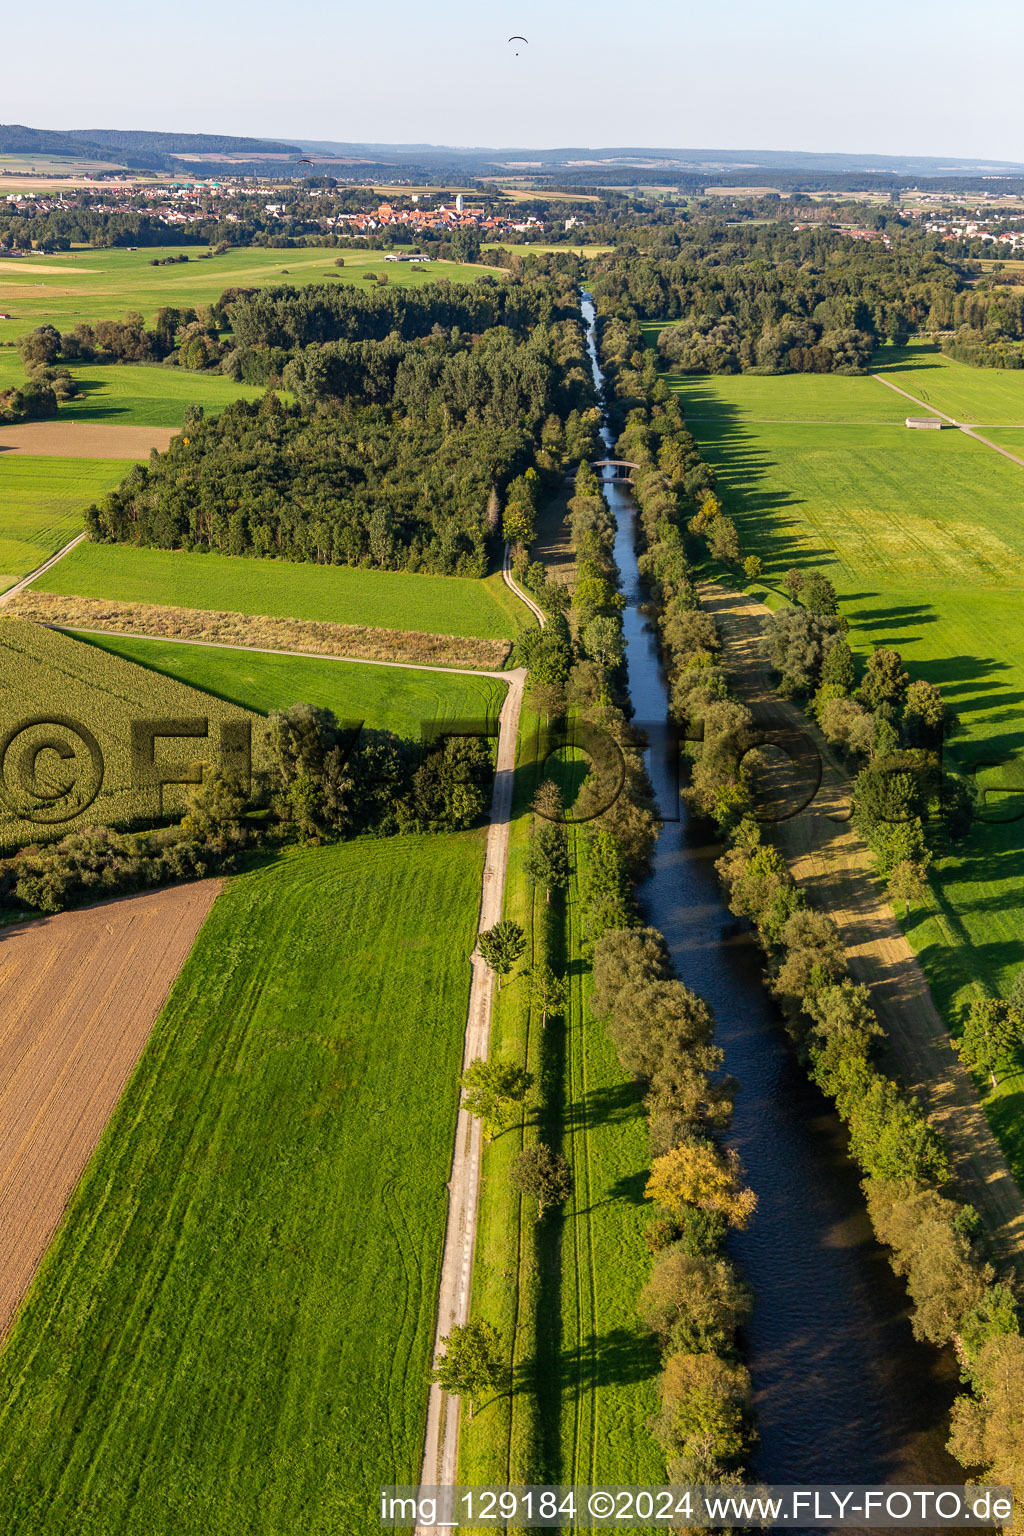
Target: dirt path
(40,570)
(83,440)
(968,431)
(513,585)
(440,1456)
(81,993)
(834,866)
(441,1448)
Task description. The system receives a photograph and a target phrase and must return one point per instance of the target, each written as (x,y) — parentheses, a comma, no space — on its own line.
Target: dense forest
(774,299)
(395,453)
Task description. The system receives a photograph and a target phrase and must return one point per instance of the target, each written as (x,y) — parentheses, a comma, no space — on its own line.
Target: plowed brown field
(83,440)
(79,994)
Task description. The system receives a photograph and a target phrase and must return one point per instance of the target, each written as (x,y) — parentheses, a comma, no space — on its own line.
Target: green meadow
(83,286)
(126,395)
(449,605)
(923,535)
(563,1290)
(385,698)
(232,1330)
(993,396)
(41,506)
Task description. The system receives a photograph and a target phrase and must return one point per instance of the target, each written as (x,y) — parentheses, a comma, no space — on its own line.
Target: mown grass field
(41,506)
(135,395)
(994,396)
(233,1329)
(448,605)
(564,1290)
(384,698)
(923,535)
(89,285)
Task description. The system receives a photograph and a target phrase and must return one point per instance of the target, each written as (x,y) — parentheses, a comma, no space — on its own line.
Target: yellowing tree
(701,1174)
(519,525)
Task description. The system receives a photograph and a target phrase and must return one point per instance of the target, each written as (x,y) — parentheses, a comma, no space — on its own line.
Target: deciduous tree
(702,1174)
(492,1090)
(543,1175)
(473,1363)
(501,946)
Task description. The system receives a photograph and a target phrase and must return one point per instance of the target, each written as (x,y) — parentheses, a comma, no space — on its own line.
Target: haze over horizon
(907,80)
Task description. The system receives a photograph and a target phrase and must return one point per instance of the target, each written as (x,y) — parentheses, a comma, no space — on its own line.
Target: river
(843,1392)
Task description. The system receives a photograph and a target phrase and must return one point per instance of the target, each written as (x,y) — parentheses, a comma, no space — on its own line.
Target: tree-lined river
(843,1391)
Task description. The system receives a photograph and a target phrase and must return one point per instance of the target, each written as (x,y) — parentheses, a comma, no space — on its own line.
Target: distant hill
(16,139)
(136,148)
(654,157)
(133,140)
(568,167)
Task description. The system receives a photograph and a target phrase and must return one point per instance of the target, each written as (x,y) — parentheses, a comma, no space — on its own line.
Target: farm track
(40,570)
(81,994)
(440,1458)
(441,1444)
(834,866)
(966,430)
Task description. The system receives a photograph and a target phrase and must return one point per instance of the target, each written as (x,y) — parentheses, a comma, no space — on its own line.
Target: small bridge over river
(612,469)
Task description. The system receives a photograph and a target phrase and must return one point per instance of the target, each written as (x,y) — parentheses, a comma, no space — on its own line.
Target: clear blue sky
(900,76)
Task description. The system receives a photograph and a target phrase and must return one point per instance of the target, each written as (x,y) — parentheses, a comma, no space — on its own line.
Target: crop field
(448,605)
(233,1329)
(923,535)
(384,698)
(135,395)
(59,165)
(67,755)
(41,506)
(84,286)
(67,1049)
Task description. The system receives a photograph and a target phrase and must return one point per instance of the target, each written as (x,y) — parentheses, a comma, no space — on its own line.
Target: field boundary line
(40,570)
(265,650)
(967,431)
(441,1442)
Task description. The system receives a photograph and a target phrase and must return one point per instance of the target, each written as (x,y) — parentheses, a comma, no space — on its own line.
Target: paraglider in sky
(516,38)
(303,161)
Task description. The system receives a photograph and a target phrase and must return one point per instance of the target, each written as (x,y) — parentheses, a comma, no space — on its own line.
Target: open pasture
(233,1328)
(563,1290)
(988,396)
(923,535)
(733,399)
(41,506)
(125,394)
(444,605)
(870,501)
(84,286)
(385,698)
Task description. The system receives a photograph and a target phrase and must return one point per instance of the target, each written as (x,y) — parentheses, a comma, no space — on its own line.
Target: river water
(843,1392)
